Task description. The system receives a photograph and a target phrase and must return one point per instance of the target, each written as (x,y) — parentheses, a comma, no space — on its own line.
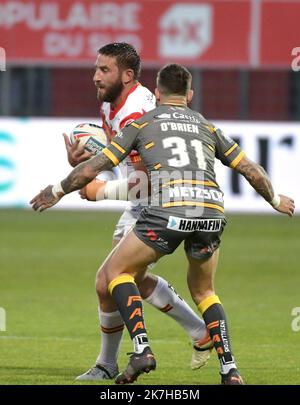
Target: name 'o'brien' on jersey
(178,146)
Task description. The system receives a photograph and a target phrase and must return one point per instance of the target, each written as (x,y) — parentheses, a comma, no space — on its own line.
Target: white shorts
(127,221)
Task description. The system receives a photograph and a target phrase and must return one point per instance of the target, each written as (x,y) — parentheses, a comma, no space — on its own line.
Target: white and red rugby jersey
(139,100)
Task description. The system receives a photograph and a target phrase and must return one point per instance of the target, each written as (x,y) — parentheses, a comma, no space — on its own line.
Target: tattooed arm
(85,172)
(78,178)
(259,180)
(257,177)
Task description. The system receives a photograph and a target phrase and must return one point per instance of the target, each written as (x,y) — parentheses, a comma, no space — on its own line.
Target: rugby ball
(91,137)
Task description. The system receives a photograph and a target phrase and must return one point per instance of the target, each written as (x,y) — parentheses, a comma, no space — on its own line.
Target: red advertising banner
(280,32)
(207,33)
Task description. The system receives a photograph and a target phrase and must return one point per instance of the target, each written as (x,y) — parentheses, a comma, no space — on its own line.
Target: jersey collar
(175,103)
(114,111)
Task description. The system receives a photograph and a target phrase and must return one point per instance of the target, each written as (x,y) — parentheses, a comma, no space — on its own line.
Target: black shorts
(164,232)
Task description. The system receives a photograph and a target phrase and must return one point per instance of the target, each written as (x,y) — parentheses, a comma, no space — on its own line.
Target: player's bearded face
(111,91)
(108,78)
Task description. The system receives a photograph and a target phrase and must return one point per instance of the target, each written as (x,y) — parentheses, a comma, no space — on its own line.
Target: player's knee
(101,285)
(199,295)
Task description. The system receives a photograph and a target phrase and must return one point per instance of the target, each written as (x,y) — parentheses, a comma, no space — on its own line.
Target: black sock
(129,303)
(216,322)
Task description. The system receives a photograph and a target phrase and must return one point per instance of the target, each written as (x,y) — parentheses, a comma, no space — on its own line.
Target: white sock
(112,326)
(140,342)
(225,368)
(167,300)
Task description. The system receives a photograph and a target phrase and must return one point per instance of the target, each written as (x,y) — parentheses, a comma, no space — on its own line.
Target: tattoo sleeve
(85,172)
(257,177)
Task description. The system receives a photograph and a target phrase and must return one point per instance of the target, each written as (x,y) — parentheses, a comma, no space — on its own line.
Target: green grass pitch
(47,268)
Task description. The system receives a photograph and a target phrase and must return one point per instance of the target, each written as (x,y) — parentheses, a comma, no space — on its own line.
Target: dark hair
(126,56)
(174,79)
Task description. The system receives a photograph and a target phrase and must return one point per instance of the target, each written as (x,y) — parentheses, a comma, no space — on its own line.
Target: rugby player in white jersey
(124,100)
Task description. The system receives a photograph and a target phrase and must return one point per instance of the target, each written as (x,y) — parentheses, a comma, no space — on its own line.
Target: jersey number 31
(180,152)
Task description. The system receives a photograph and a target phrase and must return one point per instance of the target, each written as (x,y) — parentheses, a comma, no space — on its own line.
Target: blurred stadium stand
(233,94)
(241,64)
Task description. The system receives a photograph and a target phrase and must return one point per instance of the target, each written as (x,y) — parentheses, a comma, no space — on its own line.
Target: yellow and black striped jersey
(178,146)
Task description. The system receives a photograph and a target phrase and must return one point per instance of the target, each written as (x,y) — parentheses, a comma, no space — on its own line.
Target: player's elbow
(252,171)
(256,174)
